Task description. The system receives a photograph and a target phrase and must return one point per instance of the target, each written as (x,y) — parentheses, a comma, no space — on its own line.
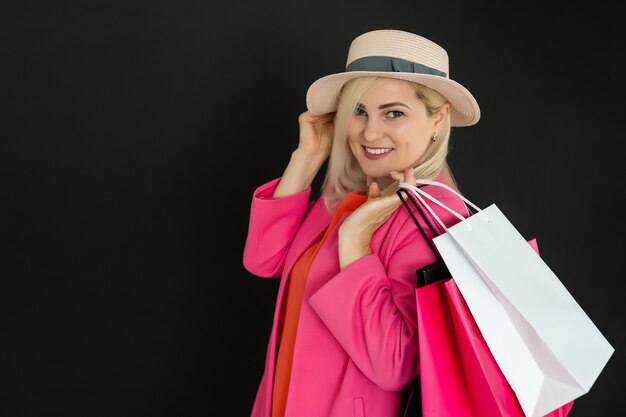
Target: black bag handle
(419,226)
(412,399)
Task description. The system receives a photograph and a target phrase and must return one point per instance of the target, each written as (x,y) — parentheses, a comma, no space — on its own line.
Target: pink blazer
(356,345)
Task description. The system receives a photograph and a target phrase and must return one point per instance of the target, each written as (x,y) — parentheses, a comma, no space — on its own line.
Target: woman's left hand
(356,232)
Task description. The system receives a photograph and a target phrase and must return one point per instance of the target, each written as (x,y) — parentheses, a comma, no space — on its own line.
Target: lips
(376,153)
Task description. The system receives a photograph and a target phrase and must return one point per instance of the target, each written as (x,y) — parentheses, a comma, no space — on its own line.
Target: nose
(373,129)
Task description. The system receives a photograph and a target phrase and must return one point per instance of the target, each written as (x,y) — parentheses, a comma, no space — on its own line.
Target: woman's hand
(316,135)
(356,232)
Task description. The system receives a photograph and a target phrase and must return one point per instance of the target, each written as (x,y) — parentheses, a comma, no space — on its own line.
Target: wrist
(307,165)
(352,249)
(298,176)
(312,161)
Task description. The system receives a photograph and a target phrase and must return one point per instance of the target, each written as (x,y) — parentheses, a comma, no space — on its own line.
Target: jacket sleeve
(272,226)
(370,308)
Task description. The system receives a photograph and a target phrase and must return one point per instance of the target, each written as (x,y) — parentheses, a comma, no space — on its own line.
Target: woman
(344,339)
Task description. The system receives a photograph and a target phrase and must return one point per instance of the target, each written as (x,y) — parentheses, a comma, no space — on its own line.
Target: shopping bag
(546,346)
(458,374)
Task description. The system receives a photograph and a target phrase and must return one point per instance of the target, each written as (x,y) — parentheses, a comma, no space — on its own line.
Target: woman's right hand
(316,135)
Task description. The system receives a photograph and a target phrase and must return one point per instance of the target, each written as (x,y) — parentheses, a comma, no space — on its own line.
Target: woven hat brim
(323,94)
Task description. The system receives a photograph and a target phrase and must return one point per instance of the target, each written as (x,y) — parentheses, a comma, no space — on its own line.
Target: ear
(442,116)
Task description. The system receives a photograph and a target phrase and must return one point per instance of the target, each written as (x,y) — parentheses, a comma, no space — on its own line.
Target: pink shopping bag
(458,374)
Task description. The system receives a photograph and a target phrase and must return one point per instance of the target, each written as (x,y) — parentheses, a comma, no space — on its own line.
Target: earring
(434,138)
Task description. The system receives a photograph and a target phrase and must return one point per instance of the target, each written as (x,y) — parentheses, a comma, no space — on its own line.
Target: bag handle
(419,193)
(415,404)
(447,187)
(419,226)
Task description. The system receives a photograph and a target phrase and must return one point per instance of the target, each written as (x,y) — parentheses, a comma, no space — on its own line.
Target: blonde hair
(344,174)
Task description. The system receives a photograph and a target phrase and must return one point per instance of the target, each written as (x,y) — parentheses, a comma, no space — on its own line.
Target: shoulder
(402,227)
(400,238)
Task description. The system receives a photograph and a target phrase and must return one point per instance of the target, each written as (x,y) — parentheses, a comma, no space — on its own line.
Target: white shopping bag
(546,346)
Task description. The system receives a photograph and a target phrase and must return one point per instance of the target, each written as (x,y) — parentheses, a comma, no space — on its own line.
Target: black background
(133,134)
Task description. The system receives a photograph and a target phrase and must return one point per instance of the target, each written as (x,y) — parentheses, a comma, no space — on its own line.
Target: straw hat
(401,55)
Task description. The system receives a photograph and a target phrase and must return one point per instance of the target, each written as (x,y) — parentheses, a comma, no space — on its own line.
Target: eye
(394,114)
(359,111)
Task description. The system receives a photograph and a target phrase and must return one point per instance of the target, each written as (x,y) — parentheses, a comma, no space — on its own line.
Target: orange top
(292,304)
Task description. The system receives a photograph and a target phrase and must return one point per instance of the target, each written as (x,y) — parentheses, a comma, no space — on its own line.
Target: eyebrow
(387,105)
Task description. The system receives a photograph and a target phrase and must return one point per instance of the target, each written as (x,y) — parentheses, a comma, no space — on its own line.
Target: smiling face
(391,129)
